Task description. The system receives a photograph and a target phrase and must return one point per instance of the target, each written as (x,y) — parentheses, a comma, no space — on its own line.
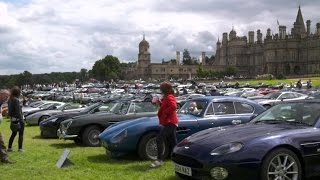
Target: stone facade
(279,54)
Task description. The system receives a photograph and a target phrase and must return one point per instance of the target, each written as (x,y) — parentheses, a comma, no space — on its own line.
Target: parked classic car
(86,129)
(276,97)
(37,117)
(281,143)
(46,105)
(139,135)
(49,126)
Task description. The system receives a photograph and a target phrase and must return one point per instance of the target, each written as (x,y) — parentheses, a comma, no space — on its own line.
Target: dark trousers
(3,150)
(167,137)
(13,135)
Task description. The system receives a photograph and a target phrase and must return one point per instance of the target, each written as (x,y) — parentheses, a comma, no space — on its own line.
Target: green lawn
(315,81)
(40,157)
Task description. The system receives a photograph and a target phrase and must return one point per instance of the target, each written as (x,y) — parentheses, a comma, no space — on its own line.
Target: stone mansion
(283,53)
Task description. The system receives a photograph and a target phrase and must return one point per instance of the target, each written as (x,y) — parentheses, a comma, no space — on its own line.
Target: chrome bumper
(61,133)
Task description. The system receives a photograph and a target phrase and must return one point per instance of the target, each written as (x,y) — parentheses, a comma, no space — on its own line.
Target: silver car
(36,117)
(274,98)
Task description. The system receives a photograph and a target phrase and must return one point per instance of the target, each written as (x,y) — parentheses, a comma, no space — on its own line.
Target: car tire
(267,106)
(178,106)
(42,118)
(90,136)
(147,148)
(289,162)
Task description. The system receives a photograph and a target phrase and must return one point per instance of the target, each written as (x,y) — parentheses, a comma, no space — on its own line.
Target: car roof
(221,98)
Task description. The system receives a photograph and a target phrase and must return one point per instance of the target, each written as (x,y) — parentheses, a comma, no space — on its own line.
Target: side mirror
(54,107)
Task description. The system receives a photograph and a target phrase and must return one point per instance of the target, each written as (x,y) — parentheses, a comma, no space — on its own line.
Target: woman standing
(17,120)
(168,122)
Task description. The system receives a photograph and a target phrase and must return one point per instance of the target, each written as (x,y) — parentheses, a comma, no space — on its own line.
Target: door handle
(235,122)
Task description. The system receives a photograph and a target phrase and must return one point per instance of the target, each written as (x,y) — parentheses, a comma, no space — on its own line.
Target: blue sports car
(282,143)
(139,135)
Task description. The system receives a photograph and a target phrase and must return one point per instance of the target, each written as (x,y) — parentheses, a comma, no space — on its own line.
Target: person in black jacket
(16,116)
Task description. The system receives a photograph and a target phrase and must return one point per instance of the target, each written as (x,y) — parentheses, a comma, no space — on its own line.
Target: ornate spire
(144,36)
(299,20)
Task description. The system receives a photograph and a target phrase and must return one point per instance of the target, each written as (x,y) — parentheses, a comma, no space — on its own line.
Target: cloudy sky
(43,36)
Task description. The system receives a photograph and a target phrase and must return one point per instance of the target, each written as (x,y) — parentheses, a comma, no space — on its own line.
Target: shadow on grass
(37,137)
(103,158)
(64,145)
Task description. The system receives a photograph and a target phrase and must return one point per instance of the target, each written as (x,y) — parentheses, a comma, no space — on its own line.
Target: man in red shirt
(168,122)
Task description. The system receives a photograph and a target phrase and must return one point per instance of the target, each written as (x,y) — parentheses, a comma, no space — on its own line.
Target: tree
(107,68)
(230,71)
(83,75)
(186,58)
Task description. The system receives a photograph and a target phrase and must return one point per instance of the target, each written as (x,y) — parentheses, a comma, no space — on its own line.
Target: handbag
(15,125)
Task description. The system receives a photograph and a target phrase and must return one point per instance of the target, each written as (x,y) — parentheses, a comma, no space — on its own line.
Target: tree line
(105,69)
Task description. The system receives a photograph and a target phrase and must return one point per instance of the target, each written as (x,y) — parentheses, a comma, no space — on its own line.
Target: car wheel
(90,136)
(178,106)
(281,164)
(42,118)
(148,147)
(267,106)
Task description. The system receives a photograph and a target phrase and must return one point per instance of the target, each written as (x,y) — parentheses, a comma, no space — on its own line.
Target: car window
(210,110)
(306,113)
(221,108)
(243,108)
(141,107)
(286,96)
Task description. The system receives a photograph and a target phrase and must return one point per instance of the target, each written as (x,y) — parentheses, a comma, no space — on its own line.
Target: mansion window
(180,70)
(163,69)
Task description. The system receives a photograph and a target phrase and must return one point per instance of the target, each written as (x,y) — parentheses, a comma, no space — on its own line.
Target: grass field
(315,81)
(40,157)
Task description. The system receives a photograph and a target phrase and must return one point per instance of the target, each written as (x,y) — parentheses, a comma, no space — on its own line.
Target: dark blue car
(282,143)
(139,135)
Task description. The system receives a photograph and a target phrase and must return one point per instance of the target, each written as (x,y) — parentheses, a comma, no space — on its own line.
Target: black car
(49,126)
(86,129)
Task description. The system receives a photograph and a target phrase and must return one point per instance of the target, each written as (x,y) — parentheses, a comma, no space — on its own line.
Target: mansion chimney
(203,58)
(282,32)
(251,37)
(318,29)
(308,27)
(259,36)
(178,57)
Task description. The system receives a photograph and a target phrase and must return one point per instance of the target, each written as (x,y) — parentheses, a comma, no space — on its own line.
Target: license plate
(183,169)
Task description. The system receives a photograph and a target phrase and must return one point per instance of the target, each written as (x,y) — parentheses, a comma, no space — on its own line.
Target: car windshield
(272,95)
(194,107)
(120,108)
(295,113)
(45,106)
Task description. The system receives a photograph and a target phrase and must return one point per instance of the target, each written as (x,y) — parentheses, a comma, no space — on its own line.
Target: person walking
(16,116)
(4,94)
(168,122)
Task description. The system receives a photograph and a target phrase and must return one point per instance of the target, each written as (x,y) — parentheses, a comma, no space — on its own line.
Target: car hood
(144,121)
(90,116)
(215,137)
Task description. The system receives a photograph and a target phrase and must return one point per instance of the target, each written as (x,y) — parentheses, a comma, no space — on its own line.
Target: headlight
(227,149)
(69,124)
(119,137)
